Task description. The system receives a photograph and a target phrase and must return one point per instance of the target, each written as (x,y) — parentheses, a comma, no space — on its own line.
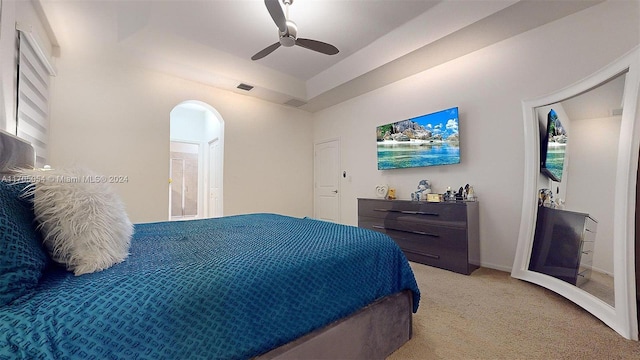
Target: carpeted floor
(490,315)
(601,285)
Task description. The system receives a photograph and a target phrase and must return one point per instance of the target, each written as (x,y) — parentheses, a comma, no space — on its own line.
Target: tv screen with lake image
(553,148)
(426,140)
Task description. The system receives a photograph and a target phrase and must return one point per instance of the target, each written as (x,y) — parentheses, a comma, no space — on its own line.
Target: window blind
(34,71)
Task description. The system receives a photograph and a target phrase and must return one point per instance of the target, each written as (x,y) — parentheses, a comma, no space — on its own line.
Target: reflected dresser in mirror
(563,245)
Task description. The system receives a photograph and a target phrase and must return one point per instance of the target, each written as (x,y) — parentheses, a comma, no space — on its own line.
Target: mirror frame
(623,317)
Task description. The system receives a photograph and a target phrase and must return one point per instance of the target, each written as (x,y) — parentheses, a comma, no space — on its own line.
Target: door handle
(335,191)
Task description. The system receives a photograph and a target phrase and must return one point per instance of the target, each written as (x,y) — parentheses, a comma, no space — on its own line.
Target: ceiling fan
(288,31)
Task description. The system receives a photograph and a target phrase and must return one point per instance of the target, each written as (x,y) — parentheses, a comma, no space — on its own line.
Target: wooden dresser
(563,245)
(445,235)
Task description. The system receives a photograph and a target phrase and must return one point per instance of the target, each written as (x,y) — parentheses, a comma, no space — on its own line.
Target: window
(34,71)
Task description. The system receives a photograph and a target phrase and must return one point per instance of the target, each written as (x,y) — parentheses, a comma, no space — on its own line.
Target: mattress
(225,288)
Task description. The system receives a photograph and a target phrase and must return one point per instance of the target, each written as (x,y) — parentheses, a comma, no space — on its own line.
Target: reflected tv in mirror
(553,147)
(427,140)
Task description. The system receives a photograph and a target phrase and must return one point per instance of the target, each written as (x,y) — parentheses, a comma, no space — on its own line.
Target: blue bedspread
(226,288)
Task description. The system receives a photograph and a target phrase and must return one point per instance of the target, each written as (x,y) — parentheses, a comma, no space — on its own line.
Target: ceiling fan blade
(266,51)
(275,10)
(318,46)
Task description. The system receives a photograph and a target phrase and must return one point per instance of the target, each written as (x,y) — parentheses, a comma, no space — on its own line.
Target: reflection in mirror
(594,200)
(573,239)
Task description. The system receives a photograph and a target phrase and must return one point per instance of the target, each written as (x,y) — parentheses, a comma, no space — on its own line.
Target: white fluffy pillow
(83,221)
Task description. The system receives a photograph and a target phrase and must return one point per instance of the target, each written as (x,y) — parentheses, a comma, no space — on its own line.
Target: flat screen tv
(553,145)
(426,140)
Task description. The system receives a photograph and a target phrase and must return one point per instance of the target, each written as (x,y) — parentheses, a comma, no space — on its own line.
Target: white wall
(113,117)
(188,124)
(488,86)
(594,156)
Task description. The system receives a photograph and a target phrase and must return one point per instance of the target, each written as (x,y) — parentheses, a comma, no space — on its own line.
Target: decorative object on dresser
(391,195)
(444,235)
(381,191)
(563,245)
(470,195)
(545,198)
(424,189)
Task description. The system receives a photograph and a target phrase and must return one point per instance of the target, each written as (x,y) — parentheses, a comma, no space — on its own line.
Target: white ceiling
(603,101)
(380,41)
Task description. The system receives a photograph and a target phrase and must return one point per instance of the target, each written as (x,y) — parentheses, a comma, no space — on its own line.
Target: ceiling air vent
(245,87)
(295,103)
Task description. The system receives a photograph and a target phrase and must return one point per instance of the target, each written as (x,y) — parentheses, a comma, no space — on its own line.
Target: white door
(215,179)
(326,202)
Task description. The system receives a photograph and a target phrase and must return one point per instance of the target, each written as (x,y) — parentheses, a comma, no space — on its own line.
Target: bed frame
(15,152)
(373,332)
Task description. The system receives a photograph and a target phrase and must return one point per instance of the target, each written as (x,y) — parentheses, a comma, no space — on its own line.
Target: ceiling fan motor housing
(289,37)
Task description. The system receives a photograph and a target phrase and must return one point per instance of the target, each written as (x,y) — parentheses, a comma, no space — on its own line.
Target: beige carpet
(601,285)
(490,315)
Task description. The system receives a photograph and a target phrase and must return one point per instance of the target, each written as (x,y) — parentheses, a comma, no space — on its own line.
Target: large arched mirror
(577,231)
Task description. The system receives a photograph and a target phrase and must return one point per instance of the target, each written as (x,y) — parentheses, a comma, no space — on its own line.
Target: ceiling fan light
(288,38)
(287,41)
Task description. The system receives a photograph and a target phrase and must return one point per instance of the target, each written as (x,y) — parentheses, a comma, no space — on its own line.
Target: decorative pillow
(83,221)
(22,257)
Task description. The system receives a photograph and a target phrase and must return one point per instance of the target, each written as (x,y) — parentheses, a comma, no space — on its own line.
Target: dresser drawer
(590,225)
(436,246)
(443,235)
(589,235)
(450,255)
(421,211)
(583,276)
(586,253)
(448,235)
(428,230)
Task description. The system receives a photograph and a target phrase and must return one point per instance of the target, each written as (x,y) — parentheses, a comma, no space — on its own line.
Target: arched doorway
(196,161)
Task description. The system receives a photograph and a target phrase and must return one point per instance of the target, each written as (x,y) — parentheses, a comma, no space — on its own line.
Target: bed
(261,286)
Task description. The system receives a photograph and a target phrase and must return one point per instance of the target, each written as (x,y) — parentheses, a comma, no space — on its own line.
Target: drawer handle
(406,231)
(430,255)
(408,212)
(420,233)
(436,257)
(421,213)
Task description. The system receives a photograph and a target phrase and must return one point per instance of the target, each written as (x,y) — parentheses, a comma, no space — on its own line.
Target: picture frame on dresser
(442,234)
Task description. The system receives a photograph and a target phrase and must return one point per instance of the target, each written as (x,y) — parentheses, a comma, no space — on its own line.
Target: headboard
(15,153)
